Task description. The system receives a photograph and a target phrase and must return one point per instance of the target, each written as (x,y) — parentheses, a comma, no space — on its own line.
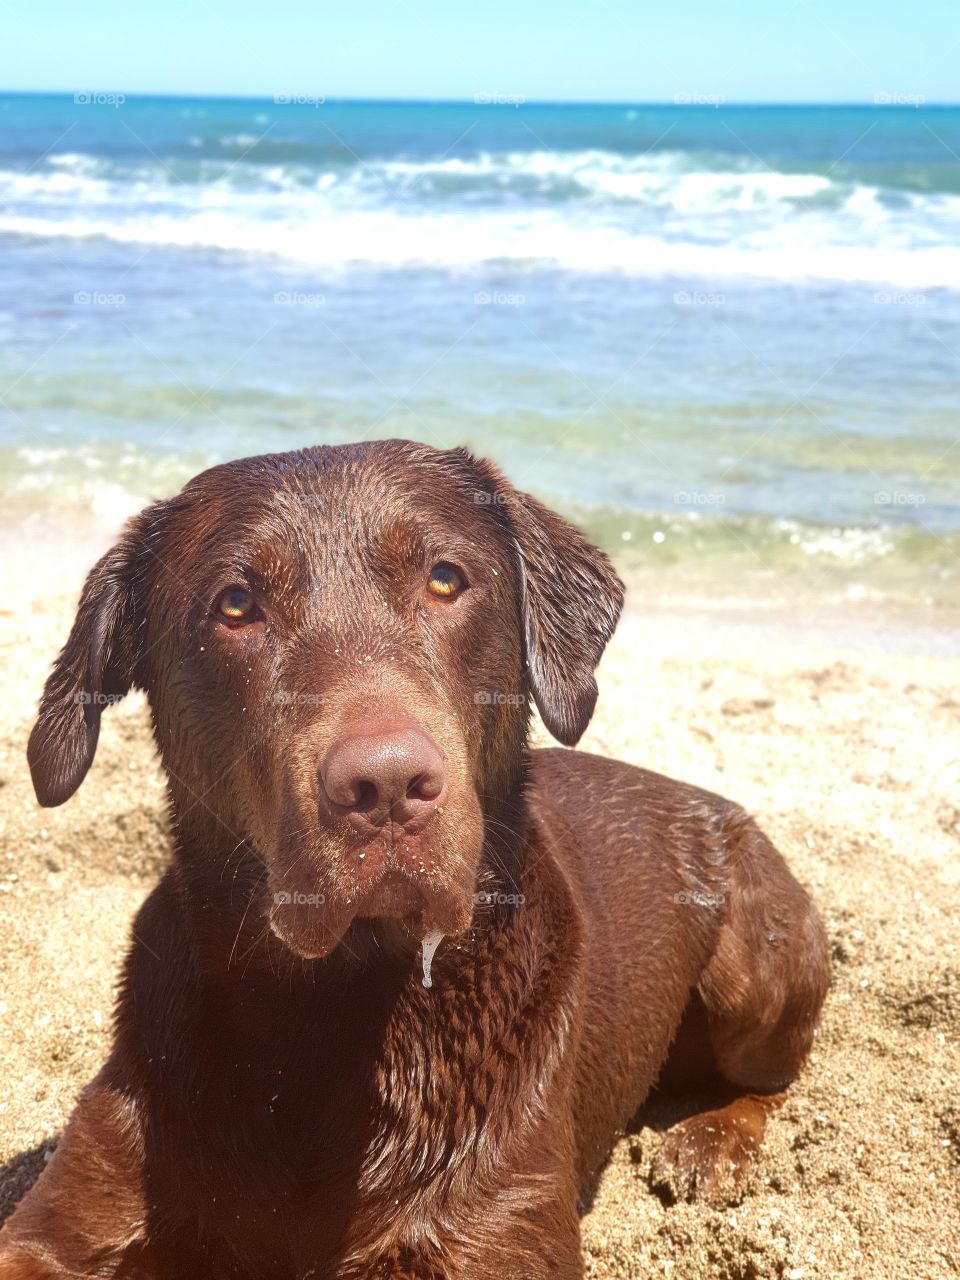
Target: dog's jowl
(404,981)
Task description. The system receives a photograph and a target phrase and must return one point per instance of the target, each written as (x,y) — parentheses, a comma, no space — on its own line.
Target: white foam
(849,545)
(525,243)
(652,179)
(642,216)
(74,160)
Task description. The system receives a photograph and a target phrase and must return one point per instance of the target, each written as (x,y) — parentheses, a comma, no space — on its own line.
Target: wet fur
(265,1115)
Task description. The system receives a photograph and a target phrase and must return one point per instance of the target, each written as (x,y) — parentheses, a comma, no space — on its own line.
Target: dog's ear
(571,600)
(95,667)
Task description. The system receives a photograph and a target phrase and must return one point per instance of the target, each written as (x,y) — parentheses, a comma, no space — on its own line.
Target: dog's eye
(236,605)
(445,581)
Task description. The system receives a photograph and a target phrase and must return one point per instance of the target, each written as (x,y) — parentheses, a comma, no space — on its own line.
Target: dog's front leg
(538,1241)
(527,1229)
(86,1215)
(533,1256)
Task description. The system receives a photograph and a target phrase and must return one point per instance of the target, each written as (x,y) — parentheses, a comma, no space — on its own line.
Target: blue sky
(596,50)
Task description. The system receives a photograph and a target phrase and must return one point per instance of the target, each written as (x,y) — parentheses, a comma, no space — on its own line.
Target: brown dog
(339,648)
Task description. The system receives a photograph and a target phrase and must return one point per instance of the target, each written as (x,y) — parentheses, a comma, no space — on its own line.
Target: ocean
(726,340)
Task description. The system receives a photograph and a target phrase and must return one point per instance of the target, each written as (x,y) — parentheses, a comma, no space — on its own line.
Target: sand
(839,730)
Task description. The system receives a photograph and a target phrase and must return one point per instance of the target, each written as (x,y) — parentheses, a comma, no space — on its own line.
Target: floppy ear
(94,668)
(571,600)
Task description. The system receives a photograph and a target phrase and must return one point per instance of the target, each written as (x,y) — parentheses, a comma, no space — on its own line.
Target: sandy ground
(842,736)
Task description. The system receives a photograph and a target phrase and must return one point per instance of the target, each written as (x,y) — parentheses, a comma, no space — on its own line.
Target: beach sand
(840,733)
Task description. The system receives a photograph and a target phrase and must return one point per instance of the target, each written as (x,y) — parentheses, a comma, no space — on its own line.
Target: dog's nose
(374,777)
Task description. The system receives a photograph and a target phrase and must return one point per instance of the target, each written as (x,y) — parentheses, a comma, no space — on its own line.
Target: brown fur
(284,1098)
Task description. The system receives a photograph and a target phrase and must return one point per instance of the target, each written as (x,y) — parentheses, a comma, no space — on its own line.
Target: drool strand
(429,943)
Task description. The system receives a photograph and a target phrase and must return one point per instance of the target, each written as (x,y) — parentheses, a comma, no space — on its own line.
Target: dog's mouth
(314,924)
(398,883)
(395,897)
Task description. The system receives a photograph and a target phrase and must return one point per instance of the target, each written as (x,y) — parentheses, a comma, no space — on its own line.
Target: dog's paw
(706,1157)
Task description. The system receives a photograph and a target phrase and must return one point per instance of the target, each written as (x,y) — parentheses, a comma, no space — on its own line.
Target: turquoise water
(726,339)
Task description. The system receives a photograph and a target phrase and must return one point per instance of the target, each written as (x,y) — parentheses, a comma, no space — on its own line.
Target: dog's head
(339,646)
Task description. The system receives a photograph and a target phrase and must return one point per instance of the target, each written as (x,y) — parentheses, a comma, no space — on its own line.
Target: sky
(553,50)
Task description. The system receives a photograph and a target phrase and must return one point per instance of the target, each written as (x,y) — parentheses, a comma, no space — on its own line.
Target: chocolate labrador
(405,981)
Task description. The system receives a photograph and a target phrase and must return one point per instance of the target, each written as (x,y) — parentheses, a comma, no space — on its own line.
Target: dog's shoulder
(630,834)
(581,783)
